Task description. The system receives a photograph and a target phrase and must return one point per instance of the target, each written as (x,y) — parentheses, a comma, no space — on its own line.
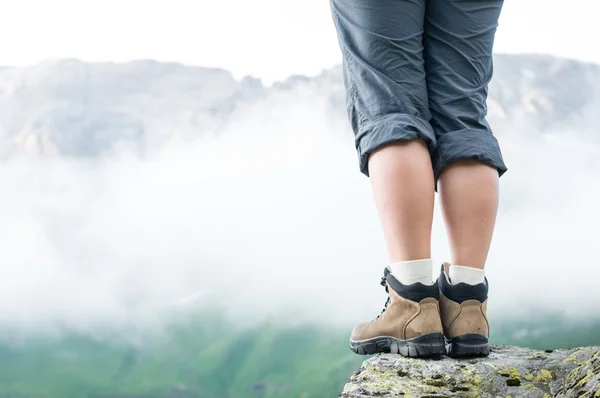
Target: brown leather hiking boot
(409,324)
(463,310)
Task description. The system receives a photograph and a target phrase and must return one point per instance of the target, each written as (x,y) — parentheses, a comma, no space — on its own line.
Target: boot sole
(428,345)
(468,345)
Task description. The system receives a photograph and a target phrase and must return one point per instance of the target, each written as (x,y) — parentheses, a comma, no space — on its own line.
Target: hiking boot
(463,310)
(409,324)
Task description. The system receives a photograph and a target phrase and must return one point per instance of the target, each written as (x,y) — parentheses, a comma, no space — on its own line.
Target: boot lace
(384,284)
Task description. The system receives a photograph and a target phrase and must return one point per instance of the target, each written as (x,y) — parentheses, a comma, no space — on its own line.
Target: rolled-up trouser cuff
(480,145)
(387,129)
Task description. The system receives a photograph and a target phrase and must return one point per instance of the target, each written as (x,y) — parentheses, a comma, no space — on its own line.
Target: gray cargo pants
(419,69)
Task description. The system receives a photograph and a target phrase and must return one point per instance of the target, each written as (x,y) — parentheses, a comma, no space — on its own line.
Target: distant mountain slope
(205,356)
(72,108)
(77,109)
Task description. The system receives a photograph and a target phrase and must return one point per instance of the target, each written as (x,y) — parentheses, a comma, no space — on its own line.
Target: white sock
(469,275)
(409,272)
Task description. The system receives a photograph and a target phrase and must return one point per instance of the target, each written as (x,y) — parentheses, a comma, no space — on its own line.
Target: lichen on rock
(507,372)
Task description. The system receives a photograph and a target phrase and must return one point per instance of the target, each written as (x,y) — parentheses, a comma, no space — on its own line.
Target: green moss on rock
(507,372)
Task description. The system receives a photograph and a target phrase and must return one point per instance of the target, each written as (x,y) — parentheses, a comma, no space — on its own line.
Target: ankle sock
(409,272)
(469,275)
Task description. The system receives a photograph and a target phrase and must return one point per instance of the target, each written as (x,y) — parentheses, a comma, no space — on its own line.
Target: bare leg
(403,187)
(469,198)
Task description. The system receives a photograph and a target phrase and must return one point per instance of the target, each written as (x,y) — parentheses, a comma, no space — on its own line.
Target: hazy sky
(270,39)
(89,242)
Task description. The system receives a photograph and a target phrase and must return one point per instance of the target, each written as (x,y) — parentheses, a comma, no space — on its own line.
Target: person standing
(416,74)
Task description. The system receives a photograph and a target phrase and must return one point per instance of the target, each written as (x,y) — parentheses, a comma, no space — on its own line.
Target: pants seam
(353,88)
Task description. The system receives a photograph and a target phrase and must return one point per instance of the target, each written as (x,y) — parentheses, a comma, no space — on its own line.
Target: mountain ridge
(76,109)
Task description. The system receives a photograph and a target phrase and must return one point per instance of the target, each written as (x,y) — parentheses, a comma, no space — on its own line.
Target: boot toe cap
(360,332)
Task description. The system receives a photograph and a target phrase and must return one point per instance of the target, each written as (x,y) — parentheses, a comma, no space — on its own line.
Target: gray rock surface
(507,372)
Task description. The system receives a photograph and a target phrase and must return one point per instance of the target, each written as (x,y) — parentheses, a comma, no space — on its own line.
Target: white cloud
(272,215)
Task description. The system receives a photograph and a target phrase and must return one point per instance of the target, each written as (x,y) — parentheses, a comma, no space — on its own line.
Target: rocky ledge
(509,372)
